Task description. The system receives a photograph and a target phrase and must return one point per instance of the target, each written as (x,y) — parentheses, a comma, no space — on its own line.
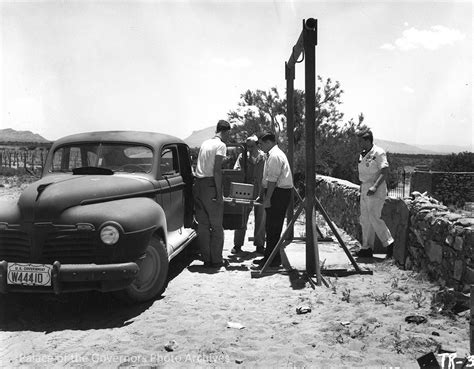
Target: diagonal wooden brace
(320,208)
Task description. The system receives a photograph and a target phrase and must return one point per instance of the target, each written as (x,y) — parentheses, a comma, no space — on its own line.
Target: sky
(175,67)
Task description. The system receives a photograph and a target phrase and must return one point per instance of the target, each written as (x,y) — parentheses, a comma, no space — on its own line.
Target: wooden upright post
(309,43)
(290,128)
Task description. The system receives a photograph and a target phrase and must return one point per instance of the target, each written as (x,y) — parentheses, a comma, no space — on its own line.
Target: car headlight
(109,234)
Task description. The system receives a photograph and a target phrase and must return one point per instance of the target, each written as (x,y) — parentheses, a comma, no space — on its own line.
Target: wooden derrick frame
(306,45)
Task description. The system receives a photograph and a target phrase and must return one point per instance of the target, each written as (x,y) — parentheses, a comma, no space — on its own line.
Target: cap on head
(222,126)
(366,134)
(267,136)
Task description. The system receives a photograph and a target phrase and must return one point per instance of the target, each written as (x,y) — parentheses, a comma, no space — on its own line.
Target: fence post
(471,321)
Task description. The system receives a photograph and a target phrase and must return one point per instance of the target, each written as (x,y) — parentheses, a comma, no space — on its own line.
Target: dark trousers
(274,222)
(209,215)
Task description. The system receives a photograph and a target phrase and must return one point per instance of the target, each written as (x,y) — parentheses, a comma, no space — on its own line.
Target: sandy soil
(226,318)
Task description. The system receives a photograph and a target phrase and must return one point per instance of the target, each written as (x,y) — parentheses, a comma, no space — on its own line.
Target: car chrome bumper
(78,277)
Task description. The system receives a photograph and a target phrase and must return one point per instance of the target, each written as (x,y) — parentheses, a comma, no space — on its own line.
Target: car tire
(152,277)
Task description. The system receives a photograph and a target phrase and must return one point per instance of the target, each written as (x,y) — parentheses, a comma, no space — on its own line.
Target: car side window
(169,164)
(67,158)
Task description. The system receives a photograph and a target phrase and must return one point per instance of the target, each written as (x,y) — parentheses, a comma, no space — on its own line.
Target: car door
(233,213)
(173,188)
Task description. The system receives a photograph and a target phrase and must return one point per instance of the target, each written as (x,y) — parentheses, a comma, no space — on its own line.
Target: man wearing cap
(253,175)
(277,187)
(373,170)
(208,196)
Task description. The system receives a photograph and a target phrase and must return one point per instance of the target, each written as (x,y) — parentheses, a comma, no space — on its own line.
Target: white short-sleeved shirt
(371,164)
(207,156)
(277,169)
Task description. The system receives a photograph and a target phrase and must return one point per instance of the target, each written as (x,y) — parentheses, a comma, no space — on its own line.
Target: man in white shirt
(208,196)
(277,186)
(373,171)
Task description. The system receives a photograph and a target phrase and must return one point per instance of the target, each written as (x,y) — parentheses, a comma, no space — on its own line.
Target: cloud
(387,47)
(432,39)
(408,90)
(233,63)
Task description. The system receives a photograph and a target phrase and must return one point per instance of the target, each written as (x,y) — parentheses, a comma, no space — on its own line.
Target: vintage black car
(109,212)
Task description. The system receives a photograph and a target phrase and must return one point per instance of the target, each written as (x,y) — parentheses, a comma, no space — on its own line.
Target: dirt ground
(226,318)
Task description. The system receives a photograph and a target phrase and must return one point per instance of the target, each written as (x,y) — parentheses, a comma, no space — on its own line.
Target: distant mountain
(197,138)
(447,149)
(402,148)
(9,135)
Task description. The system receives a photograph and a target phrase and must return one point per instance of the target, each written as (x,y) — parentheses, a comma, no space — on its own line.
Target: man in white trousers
(373,171)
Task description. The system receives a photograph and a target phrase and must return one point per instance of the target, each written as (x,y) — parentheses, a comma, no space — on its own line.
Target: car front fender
(133,214)
(10,212)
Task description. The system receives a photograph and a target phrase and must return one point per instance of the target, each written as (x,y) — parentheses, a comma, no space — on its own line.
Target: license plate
(29,274)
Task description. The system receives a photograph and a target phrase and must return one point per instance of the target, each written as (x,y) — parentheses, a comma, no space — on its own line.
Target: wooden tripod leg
(336,233)
(283,237)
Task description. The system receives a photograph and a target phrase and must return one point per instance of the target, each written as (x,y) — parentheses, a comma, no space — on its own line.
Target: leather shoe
(260,250)
(236,250)
(223,263)
(259,261)
(364,253)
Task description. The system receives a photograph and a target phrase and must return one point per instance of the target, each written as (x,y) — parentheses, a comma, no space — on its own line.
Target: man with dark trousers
(209,198)
(277,185)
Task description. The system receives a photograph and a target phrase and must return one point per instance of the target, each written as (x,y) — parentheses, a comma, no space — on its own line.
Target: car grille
(68,247)
(14,245)
(46,243)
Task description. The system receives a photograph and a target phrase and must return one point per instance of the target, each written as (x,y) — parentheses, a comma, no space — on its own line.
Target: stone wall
(440,242)
(427,236)
(447,187)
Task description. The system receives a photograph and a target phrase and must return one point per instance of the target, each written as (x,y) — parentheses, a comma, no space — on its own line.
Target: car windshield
(117,157)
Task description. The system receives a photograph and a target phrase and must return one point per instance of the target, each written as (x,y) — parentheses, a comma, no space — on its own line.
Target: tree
(336,141)
(258,111)
(462,162)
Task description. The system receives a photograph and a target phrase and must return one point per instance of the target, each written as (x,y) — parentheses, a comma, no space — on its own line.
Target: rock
(452,217)
(469,275)
(465,222)
(458,269)
(235,325)
(303,310)
(434,251)
(171,346)
(458,241)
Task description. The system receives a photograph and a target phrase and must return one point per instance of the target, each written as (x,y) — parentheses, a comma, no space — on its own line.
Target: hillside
(11,136)
(402,148)
(198,137)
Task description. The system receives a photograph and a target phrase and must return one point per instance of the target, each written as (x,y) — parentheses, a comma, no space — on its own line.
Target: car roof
(153,139)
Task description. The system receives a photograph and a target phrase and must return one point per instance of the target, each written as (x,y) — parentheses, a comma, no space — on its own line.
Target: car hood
(47,198)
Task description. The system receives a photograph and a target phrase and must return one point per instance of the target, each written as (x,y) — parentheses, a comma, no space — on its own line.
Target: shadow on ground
(75,311)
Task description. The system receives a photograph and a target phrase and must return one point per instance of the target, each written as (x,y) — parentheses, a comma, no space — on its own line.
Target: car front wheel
(152,277)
